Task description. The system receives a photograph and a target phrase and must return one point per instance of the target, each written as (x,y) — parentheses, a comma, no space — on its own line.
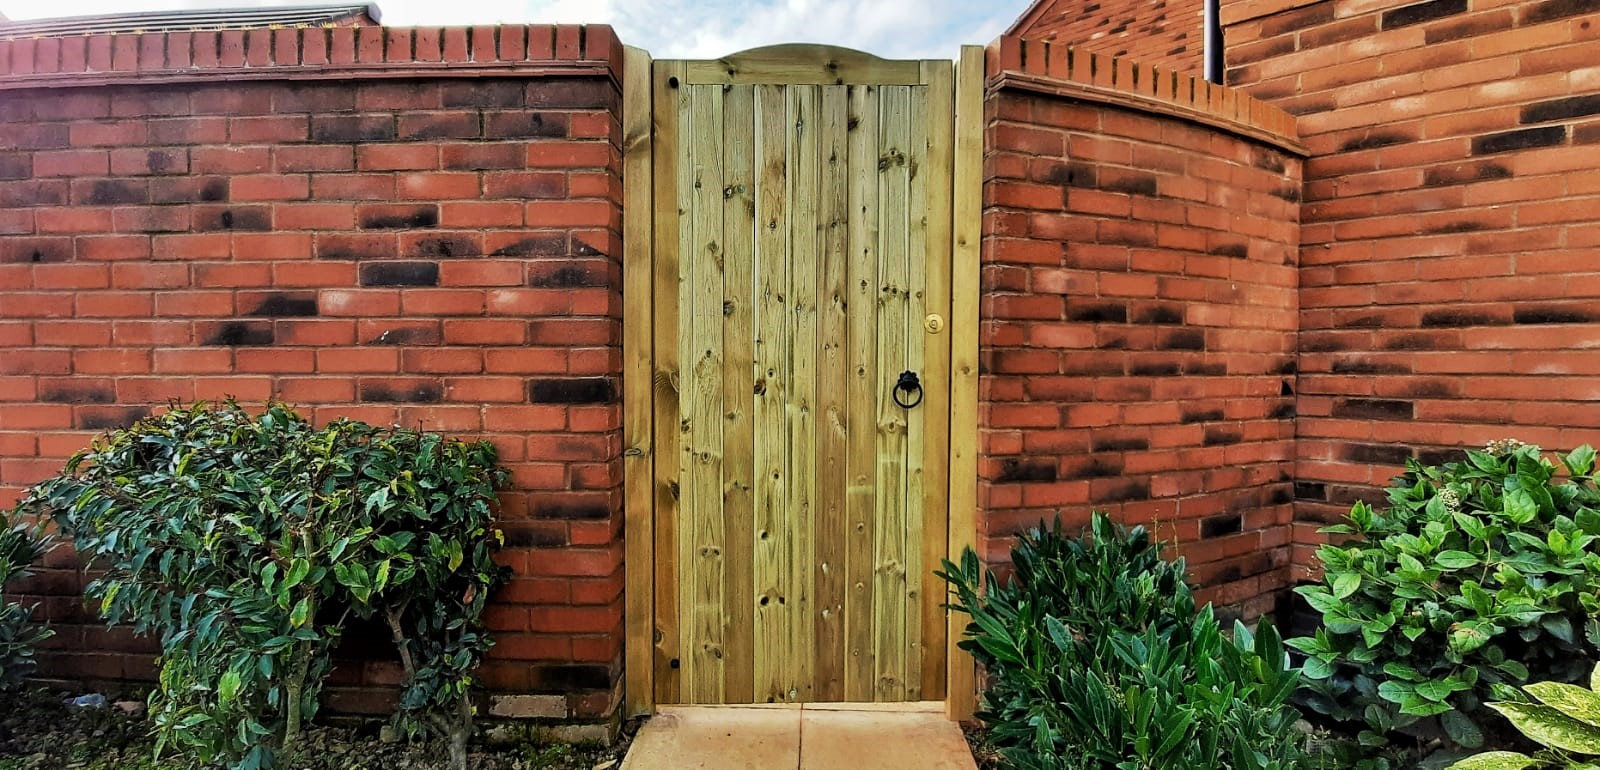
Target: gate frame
(638,130)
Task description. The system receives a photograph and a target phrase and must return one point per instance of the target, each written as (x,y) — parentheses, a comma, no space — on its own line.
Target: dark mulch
(987,756)
(39,731)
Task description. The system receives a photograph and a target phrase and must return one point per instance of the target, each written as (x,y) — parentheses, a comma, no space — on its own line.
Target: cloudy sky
(675,28)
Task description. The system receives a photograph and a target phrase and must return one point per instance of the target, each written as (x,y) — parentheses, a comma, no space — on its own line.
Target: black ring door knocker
(912,387)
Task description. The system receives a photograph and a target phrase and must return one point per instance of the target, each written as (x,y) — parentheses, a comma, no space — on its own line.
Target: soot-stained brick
(109,417)
(1205,368)
(1280,495)
(1323,345)
(1421,12)
(1558,9)
(1440,456)
(444,247)
(113,192)
(400,274)
(15,165)
(35,250)
(535,536)
(1136,184)
(1013,470)
(237,218)
(426,392)
(352,128)
(1463,173)
(1374,141)
(525,125)
(1217,435)
(235,333)
(564,277)
(1072,175)
(1562,109)
(1521,139)
(1201,415)
(1551,315)
(541,246)
(1162,369)
(295,304)
(1183,339)
(488,93)
(1367,366)
(1432,389)
(1310,490)
(400,218)
(1285,410)
(1376,454)
(407,335)
(1374,409)
(71,393)
(214,190)
(1125,492)
(1458,319)
(1237,250)
(1097,468)
(572,511)
(1449,228)
(1270,160)
(1099,313)
(1119,444)
(1362,322)
(572,390)
(49,192)
(1159,314)
(1220,526)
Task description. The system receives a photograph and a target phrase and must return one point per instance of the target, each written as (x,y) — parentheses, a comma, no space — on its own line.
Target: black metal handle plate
(911,387)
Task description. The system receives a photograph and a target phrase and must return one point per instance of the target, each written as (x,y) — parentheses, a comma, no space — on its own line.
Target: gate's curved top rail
(804,64)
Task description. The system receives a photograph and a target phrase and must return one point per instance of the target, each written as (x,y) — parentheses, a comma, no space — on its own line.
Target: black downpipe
(1213,53)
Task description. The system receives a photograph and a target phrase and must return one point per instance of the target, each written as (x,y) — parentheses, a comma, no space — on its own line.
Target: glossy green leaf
(1581,704)
(1494,760)
(1551,727)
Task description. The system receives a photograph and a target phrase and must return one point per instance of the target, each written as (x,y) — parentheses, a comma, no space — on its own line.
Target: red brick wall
(1451,239)
(329,219)
(1166,33)
(1138,337)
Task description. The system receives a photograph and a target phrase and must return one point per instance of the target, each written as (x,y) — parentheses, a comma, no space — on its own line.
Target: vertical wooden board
(738,383)
(706,573)
(637,376)
(804,121)
(672,187)
(938,115)
(967,205)
(833,214)
(889,529)
(864,390)
(919,419)
(774,529)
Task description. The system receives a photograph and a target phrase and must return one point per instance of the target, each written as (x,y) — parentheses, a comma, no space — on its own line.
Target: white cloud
(677,28)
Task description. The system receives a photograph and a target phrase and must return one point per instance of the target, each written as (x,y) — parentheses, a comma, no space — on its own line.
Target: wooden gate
(801,296)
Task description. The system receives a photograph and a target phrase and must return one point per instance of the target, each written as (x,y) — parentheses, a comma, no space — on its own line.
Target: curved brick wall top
(311,53)
(1067,71)
(1167,33)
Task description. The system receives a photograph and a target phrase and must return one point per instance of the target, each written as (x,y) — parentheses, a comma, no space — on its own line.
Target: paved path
(864,736)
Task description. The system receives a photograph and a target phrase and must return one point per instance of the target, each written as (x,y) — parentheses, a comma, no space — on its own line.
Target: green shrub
(1566,721)
(1477,576)
(247,542)
(20,546)
(1098,658)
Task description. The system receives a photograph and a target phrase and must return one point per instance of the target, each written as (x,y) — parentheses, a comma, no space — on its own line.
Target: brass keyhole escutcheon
(934,323)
